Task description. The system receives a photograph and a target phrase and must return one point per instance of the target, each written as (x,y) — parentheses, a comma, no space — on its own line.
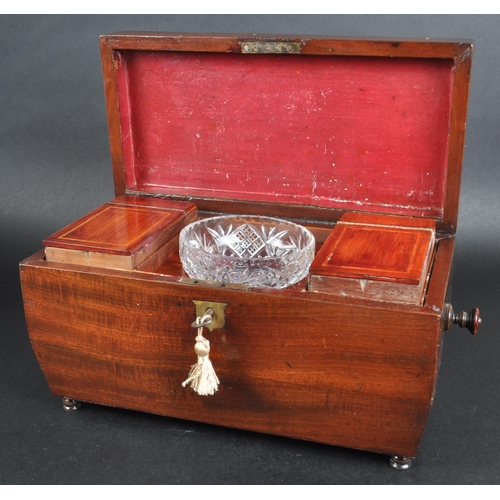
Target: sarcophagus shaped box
(358,141)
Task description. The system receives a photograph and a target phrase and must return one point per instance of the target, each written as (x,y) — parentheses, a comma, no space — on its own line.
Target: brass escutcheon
(218,316)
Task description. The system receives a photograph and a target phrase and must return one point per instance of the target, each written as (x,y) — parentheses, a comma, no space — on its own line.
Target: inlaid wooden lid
(384,248)
(121,233)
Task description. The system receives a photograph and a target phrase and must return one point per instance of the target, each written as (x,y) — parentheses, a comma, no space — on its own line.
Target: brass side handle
(470,320)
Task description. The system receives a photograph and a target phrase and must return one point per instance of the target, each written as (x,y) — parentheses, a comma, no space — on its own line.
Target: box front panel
(361,133)
(333,372)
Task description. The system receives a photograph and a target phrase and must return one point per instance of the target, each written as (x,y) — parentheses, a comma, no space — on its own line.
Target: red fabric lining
(358,133)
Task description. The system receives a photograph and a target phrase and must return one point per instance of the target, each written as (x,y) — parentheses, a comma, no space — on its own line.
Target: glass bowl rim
(310,243)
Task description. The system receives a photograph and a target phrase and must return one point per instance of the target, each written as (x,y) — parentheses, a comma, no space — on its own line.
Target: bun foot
(400,463)
(70,404)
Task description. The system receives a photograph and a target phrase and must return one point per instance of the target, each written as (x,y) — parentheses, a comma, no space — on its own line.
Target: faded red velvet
(361,133)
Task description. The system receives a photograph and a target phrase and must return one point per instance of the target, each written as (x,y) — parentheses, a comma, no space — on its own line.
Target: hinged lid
(291,126)
(121,234)
(375,257)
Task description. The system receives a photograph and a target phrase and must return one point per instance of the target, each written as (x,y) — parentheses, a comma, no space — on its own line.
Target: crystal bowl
(251,250)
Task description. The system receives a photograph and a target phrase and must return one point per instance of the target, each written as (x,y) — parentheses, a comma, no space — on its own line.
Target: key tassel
(202,377)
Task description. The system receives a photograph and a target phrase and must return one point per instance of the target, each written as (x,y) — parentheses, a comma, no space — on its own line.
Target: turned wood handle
(470,320)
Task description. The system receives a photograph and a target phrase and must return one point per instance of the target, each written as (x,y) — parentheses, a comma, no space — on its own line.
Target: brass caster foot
(400,463)
(70,404)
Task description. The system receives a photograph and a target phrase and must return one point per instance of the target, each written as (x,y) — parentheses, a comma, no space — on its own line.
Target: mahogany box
(359,140)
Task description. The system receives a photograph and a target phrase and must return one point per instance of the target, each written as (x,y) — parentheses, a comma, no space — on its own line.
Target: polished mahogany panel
(113,229)
(339,132)
(117,227)
(378,253)
(122,233)
(290,362)
(375,257)
(370,249)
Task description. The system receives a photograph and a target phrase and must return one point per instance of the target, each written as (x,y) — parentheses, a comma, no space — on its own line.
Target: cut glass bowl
(251,250)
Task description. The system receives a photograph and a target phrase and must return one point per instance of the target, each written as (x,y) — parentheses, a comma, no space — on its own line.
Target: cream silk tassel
(202,377)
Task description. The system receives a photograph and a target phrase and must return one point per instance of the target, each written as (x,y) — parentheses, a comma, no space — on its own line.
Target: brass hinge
(270,47)
(215,284)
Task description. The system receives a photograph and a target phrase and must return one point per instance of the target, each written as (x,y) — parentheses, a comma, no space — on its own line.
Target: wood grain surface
(346,372)
(120,234)
(375,257)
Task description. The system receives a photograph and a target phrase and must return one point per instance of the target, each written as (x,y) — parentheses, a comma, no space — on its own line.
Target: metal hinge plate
(270,47)
(215,284)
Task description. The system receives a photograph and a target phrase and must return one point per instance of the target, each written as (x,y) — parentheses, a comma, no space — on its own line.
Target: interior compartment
(167,263)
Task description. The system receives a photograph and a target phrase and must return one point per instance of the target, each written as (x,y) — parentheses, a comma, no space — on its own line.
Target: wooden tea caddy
(304,128)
